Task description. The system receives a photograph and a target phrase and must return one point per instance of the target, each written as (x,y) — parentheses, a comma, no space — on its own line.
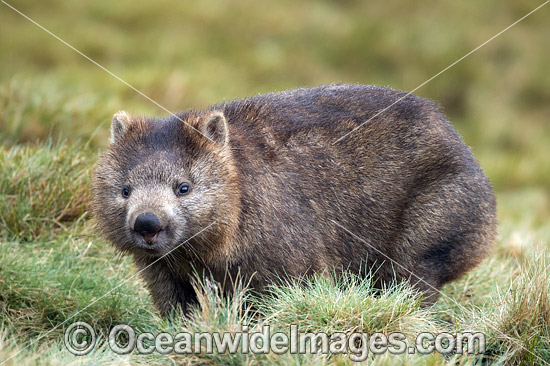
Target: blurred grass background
(189,55)
(193,54)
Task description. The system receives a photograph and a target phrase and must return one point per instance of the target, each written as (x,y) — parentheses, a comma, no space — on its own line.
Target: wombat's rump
(267,187)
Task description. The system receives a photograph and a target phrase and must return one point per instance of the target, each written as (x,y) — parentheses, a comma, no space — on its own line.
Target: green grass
(43,188)
(55,108)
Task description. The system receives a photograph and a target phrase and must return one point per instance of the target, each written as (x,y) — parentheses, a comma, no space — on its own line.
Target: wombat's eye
(183,189)
(126,192)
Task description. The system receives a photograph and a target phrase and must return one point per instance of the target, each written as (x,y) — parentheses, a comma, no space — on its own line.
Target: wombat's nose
(148,225)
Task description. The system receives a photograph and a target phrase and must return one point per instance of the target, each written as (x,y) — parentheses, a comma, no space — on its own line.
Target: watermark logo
(81,339)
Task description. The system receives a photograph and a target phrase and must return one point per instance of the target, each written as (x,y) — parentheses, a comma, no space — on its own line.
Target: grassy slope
(52,266)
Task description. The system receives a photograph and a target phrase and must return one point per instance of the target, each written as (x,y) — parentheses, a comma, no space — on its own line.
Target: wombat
(283,185)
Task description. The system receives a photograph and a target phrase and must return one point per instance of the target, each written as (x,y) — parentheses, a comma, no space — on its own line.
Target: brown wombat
(266,187)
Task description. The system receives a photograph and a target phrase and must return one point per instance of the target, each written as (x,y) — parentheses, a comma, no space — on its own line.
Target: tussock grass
(75,291)
(345,302)
(520,327)
(43,188)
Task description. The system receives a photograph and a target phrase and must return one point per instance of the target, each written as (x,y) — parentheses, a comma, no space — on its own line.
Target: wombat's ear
(214,126)
(120,123)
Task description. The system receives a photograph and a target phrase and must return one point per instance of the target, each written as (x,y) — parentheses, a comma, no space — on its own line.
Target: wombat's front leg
(168,290)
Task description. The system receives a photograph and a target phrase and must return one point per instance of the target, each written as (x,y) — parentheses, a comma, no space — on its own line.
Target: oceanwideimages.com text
(81,339)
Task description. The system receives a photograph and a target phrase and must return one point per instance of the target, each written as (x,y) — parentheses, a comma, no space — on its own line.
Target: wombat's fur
(272,191)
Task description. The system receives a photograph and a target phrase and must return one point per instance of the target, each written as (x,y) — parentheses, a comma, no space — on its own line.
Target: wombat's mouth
(150,237)
(153,250)
(154,244)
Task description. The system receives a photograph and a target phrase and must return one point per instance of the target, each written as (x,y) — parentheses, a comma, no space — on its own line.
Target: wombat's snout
(148,225)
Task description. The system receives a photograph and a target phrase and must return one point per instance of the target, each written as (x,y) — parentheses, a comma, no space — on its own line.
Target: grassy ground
(55,107)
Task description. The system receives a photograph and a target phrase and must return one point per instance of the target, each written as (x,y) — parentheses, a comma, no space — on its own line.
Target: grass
(55,108)
(43,188)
